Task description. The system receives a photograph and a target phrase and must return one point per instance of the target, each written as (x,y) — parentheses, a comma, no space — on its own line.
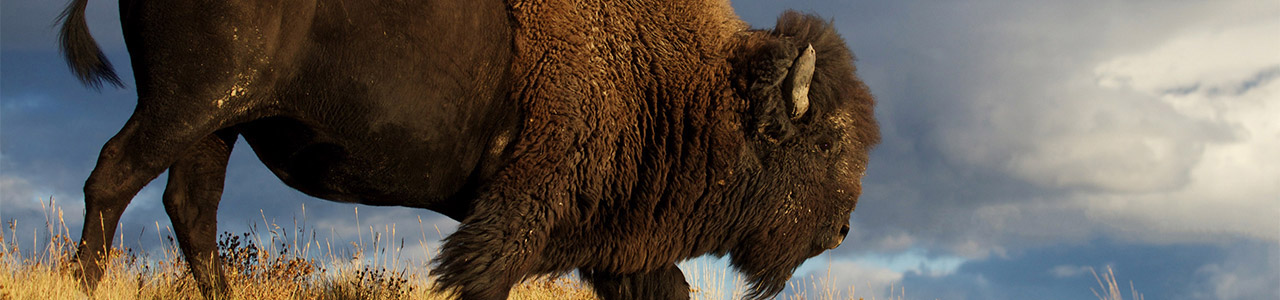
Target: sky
(1025,144)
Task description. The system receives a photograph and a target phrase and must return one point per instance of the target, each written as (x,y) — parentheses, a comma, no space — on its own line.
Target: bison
(614,138)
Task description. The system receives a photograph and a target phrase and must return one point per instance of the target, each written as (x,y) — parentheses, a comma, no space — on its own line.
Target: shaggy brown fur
(611,138)
(633,154)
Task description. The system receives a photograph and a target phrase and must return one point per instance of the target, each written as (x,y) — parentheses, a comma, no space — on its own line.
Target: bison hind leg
(666,282)
(191,199)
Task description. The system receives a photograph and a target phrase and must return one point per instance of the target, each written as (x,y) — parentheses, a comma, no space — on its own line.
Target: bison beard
(767,267)
(611,139)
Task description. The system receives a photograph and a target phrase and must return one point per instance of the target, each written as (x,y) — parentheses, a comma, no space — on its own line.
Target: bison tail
(81,51)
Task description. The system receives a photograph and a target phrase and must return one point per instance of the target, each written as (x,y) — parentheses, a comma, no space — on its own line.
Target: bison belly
(411,110)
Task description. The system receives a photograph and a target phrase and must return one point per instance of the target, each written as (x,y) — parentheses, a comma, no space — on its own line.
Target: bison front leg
(504,236)
(493,248)
(666,282)
(191,199)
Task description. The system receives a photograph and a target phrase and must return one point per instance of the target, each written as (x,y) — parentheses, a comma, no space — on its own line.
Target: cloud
(846,279)
(1066,271)
(1113,121)
(1174,271)
(30,217)
(1041,125)
(1020,126)
(1227,77)
(1248,271)
(1011,130)
(1211,61)
(17,193)
(1227,284)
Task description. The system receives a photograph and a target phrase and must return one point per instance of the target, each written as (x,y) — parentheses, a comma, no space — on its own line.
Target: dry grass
(278,264)
(291,263)
(1111,289)
(275,262)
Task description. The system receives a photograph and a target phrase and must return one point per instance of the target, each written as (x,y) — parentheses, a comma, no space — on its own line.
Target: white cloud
(1172,141)
(17,193)
(22,200)
(826,277)
(1231,78)
(1217,60)
(33,214)
(843,279)
(1248,272)
(1112,148)
(915,260)
(868,275)
(1227,284)
(1067,271)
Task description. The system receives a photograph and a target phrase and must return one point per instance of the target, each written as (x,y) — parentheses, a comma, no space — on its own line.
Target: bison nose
(839,239)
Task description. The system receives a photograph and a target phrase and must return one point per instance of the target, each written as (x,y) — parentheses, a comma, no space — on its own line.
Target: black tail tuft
(81,51)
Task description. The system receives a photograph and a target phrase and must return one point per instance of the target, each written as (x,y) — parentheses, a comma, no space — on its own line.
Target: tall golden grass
(275,262)
(1110,290)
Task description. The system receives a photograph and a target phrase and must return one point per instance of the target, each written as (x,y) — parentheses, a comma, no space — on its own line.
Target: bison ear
(774,75)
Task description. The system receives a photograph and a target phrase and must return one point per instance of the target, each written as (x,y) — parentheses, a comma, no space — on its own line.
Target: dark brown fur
(636,143)
(614,138)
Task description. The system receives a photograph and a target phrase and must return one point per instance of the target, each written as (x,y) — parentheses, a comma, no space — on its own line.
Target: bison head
(810,128)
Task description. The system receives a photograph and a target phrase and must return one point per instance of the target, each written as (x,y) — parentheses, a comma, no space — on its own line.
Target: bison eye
(824,146)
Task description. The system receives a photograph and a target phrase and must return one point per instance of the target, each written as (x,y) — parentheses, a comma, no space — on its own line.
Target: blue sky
(1025,142)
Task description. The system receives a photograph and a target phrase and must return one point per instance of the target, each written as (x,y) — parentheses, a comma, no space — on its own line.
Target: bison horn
(801,75)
